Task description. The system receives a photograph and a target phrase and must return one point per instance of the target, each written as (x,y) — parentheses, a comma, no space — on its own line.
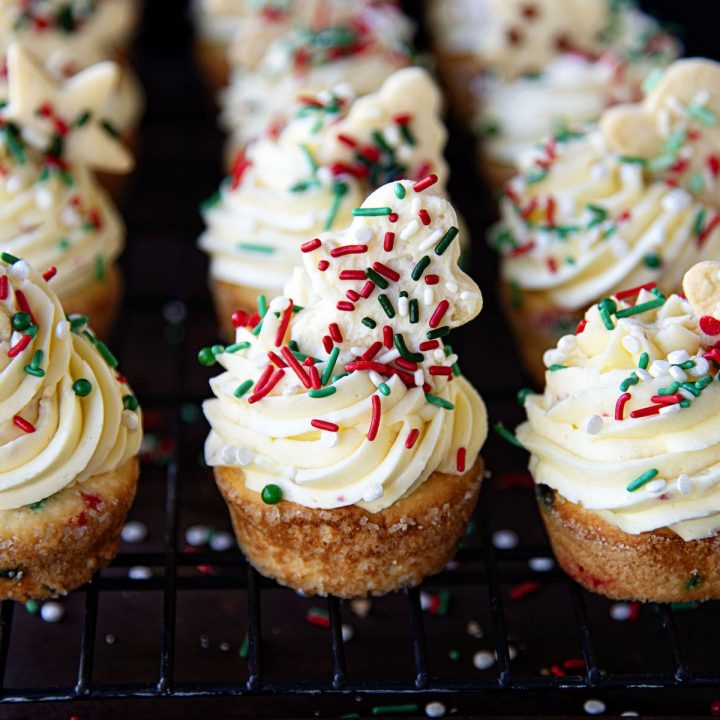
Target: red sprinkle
(552,264)
(264,377)
(279,362)
(311,245)
(267,387)
(425,182)
(411,438)
(393,217)
(23,424)
(580,326)
(346,140)
(402,119)
(388,337)
(667,399)
(352,296)
(713,163)
(367,289)
(574,664)
(323,265)
(352,275)
(388,241)
(389,273)
(327,343)
(432,279)
(439,313)
(348,250)
(284,322)
(406,364)
(314,378)
(23,304)
(335,333)
(325,425)
(297,368)
(375,419)
(50,273)
(646,411)
(550,211)
(460,460)
(557,671)
(239,318)
(317,619)
(632,292)
(440,370)
(367,365)
(424,216)
(520,591)
(21,344)
(372,351)
(3,287)
(702,237)
(429,345)
(522,249)
(620,405)
(710,325)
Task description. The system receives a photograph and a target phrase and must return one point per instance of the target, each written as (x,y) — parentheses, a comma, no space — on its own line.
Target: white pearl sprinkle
(554,357)
(134,531)
(221,541)
(594,707)
(435,710)
(130,420)
(620,611)
(684,484)
(631,344)
(140,572)
(482,660)
(43,198)
(374,492)
(52,612)
(567,343)
(656,487)
(474,629)
(438,355)
(197,535)
(677,357)
(676,200)
(19,271)
(505,539)
(593,425)
(364,235)
(348,632)
(244,456)
(541,564)
(62,330)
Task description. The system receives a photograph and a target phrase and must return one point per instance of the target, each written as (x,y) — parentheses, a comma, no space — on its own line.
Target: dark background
(178,166)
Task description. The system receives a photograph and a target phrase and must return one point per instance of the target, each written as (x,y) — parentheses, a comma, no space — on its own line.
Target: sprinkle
(256,248)
(633,379)
(372,351)
(412,438)
(593,425)
(520,591)
(243,388)
(505,434)
(414,311)
(324,425)
(394,709)
(8,258)
(439,402)
(439,313)
(425,183)
(424,216)
(323,265)
(322,392)
(311,245)
(399,191)
(21,344)
(375,419)
(437,332)
(388,241)
(384,389)
(378,279)
(107,356)
(330,365)
(419,268)
(386,305)
(261,392)
(641,308)
(23,424)
(82,387)
(345,306)
(371,212)
(393,217)
(460,459)
(641,480)
(271,494)
(296,367)
(389,273)
(632,292)
(710,325)
(445,241)
(352,275)
(403,349)
(283,325)
(348,250)
(646,411)
(335,333)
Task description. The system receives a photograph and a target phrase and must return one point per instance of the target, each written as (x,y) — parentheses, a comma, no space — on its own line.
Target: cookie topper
(701,286)
(62,118)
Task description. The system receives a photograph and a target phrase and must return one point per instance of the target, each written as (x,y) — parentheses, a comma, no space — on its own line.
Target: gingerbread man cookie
(675,131)
(701,286)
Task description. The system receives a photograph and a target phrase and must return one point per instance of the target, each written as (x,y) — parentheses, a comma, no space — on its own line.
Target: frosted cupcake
(561,61)
(344,438)
(288,188)
(625,444)
(360,48)
(70,432)
(52,210)
(632,202)
(67,37)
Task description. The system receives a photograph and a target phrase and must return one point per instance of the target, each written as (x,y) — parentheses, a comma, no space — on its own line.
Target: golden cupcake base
(228,298)
(212,59)
(657,566)
(100,302)
(57,545)
(349,552)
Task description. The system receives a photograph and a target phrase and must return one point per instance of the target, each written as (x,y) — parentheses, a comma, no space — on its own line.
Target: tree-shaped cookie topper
(675,131)
(62,119)
(701,285)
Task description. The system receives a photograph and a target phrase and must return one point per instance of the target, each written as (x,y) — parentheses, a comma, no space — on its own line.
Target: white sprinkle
(403,306)
(505,539)
(428,295)
(62,330)
(204,641)
(425,600)
(43,198)
(228,455)
(684,484)
(389,356)
(410,229)
(702,97)
(594,707)
(438,355)
(541,564)
(70,217)
(221,541)
(197,535)
(618,247)
(473,629)
(419,377)
(357,350)
(631,344)
(278,304)
(685,393)
(374,492)
(430,240)
(620,611)
(243,456)
(566,344)
(676,200)
(678,357)
(701,367)
(134,531)
(629,713)
(139,572)
(483,659)
(329,439)
(658,368)
(130,420)
(109,639)
(644,375)
(415,204)
(19,271)
(677,373)
(670,409)
(348,632)
(224,646)
(435,710)
(554,357)
(593,425)
(52,612)
(656,487)
(364,235)
(451,286)
(375,377)
(599,171)
(14,183)
(361,607)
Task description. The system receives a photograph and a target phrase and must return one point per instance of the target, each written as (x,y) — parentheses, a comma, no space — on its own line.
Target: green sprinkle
(407,135)
(641,308)
(445,240)
(8,258)
(311,160)
(505,434)
(339,190)
(440,402)
(556,366)
(536,175)
(516,298)
(330,365)
(378,279)
(394,709)
(661,162)
(369,322)
(32,607)
(379,140)
(632,159)
(211,202)
(609,304)
(684,403)
(641,480)
(32,331)
(696,182)
(371,212)
(386,305)
(399,191)
(110,129)
(651,80)
(35,372)
(599,214)
(403,350)
(100,268)
(38,505)
(21,321)
(607,320)
(63,244)
(703,115)
(83,118)
(304,185)
(340,376)
(633,379)
(652,260)
(490,129)
(82,387)
(686,365)
(130,402)
(14,143)
(454,655)
(256,248)
(242,388)
(323,392)
(414,311)
(420,267)
(262,305)
(699,221)
(206,357)
(271,494)
(107,356)
(384,389)
(690,387)
(694,581)
(437,332)
(256,330)
(237,346)
(244,650)
(643,361)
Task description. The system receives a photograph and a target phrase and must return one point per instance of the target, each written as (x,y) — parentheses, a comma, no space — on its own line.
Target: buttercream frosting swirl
(372,425)
(286,189)
(65,415)
(628,425)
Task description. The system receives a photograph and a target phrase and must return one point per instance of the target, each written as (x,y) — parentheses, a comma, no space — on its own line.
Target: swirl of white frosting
(591,452)
(583,222)
(58,219)
(434,422)
(52,432)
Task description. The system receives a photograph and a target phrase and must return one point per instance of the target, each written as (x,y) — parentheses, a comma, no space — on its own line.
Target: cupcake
(359,46)
(625,444)
(52,210)
(561,61)
(632,201)
(344,438)
(67,37)
(287,188)
(70,431)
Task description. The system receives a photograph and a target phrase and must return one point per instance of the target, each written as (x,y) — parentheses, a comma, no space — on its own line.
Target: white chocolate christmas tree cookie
(702,289)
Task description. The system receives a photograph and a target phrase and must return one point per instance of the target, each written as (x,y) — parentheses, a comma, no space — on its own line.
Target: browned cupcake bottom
(99,301)
(349,552)
(55,545)
(457,72)
(657,566)
(212,57)
(228,298)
